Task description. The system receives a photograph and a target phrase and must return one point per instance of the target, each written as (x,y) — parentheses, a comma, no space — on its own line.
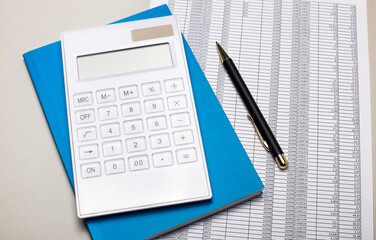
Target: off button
(85,116)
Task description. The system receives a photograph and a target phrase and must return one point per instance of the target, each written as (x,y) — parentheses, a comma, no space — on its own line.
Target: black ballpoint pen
(261,126)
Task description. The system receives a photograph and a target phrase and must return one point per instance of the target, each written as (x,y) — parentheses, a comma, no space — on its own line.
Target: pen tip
(222,54)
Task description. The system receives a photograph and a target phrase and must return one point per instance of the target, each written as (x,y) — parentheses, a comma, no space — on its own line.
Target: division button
(174,85)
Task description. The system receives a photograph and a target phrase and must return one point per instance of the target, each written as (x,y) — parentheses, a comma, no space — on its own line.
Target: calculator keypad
(146,130)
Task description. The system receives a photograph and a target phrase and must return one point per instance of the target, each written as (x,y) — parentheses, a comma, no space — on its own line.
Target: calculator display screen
(124,61)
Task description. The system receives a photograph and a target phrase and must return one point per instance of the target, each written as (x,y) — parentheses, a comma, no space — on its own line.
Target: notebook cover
(232,176)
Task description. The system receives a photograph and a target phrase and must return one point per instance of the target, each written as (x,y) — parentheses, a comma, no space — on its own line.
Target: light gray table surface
(36,199)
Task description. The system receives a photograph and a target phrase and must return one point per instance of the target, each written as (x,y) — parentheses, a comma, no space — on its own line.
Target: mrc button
(83,99)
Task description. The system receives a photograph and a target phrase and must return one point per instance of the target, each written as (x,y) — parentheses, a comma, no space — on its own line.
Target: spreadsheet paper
(306,64)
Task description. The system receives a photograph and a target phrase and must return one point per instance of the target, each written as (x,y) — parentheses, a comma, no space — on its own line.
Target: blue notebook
(232,176)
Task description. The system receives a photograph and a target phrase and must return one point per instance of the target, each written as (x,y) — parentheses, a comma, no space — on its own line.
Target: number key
(138,163)
(106,113)
(136,144)
(160,141)
(154,105)
(112,148)
(157,123)
(131,109)
(133,126)
(110,130)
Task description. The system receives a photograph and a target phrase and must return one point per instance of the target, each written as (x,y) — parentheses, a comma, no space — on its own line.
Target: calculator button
(138,163)
(106,113)
(177,102)
(114,166)
(134,126)
(180,119)
(83,99)
(183,137)
(186,155)
(153,106)
(88,151)
(112,148)
(106,95)
(159,141)
(85,116)
(131,109)
(110,130)
(136,144)
(128,92)
(87,134)
(157,123)
(174,85)
(89,170)
(150,89)
(162,159)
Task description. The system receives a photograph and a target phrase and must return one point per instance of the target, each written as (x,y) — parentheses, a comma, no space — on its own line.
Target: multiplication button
(85,116)
(89,170)
(83,99)
(174,85)
(128,92)
(114,166)
(88,151)
(186,155)
(177,102)
(183,137)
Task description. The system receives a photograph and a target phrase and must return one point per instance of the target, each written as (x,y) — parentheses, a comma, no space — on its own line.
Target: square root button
(186,155)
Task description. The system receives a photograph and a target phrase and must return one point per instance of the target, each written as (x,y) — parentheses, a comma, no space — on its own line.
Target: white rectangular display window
(124,61)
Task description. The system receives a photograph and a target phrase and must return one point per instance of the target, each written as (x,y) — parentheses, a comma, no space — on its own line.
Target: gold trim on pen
(263,142)
(281,161)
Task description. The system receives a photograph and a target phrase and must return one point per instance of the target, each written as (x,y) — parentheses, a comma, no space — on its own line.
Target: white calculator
(134,133)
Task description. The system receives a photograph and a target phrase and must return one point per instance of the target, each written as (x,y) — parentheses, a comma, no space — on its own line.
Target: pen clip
(263,142)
